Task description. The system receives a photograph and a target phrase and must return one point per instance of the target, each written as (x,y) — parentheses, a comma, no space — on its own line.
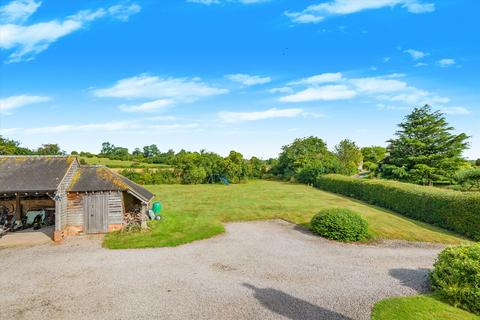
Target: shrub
(147,176)
(456,277)
(340,224)
(453,210)
(469,178)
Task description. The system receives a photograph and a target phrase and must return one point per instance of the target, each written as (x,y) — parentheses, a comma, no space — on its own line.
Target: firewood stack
(134,220)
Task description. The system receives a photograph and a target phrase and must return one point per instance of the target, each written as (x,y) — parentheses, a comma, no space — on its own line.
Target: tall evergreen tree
(425,149)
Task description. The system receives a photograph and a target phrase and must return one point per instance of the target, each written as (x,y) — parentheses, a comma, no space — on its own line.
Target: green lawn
(193,212)
(418,308)
(120,163)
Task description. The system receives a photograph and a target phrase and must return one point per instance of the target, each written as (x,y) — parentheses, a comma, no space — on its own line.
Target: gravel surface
(257,270)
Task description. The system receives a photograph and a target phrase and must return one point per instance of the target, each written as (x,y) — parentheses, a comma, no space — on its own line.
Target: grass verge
(426,307)
(194,212)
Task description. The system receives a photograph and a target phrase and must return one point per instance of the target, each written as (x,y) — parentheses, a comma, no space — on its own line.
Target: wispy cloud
(281,90)
(318,12)
(386,88)
(324,93)
(447,62)
(248,80)
(319,79)
(378,85)
(159,92)
(7,105)
(210,2)
(26,41)
(416,54)
(150,106)
(421,64)
(112,126)
(154,87)
(462,111)
(18,11)
(233,117)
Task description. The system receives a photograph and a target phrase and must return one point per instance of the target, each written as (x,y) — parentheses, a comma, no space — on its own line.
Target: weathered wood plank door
(96,213)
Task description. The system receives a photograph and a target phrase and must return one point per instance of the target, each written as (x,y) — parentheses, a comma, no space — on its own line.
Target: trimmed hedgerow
(453,210)
(456,277)
(340,224)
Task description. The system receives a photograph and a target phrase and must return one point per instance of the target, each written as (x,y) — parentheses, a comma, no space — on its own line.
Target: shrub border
(453,210)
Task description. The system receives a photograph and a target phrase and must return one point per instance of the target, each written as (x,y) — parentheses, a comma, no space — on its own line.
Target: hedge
(456,277)
(452,210)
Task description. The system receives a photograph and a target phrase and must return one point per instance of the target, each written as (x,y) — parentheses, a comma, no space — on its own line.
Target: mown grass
(194,212)
(426,307)
(120,163)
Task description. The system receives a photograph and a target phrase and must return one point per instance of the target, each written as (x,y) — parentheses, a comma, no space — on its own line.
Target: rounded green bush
(456,276)
(340,224)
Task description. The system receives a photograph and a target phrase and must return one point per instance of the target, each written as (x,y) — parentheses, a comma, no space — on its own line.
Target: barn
(83,199)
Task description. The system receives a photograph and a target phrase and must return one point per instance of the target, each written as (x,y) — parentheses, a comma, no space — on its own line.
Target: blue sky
(247,75)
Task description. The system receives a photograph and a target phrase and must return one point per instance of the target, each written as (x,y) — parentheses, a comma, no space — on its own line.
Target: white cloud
(209,2)
(421,64)
(281,90)
(386,59)
(153,87)
(7,105)
(248,80)
(325,93)
(415,97)
(233,117)
(148,106)
(378,85)
(18,11)
(26,41)
(124,12)
(386,88)
(317,13)
(319,79)
(304,17)
(113,126)
(462,111)
(416,54)
(447,62)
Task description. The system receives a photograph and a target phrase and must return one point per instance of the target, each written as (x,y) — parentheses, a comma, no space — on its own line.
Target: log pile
(134,220)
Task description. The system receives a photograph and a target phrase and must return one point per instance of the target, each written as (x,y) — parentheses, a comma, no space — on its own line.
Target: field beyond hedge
(120,164)
(194,212)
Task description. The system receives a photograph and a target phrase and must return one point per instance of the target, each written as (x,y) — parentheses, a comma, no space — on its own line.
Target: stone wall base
(58,236)
(73,230)
(78,230)
(114,227)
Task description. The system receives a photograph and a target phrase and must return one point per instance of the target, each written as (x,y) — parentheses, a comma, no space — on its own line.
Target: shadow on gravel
(417,279)
(291,307)
(303,229)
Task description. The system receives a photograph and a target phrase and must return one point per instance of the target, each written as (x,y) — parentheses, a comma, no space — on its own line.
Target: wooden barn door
(96,213)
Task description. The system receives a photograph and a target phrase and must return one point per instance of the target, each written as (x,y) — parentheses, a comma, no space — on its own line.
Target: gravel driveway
(257,270)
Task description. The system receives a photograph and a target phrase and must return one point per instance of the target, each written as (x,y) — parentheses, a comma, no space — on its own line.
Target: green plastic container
(157,207)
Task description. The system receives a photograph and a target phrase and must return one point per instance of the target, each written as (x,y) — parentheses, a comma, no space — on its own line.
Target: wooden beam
(18,209)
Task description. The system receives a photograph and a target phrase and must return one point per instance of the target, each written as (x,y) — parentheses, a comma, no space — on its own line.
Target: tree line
(424,150)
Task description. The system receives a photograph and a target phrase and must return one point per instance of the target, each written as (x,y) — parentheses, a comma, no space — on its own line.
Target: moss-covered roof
(100,178)
(32,173)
